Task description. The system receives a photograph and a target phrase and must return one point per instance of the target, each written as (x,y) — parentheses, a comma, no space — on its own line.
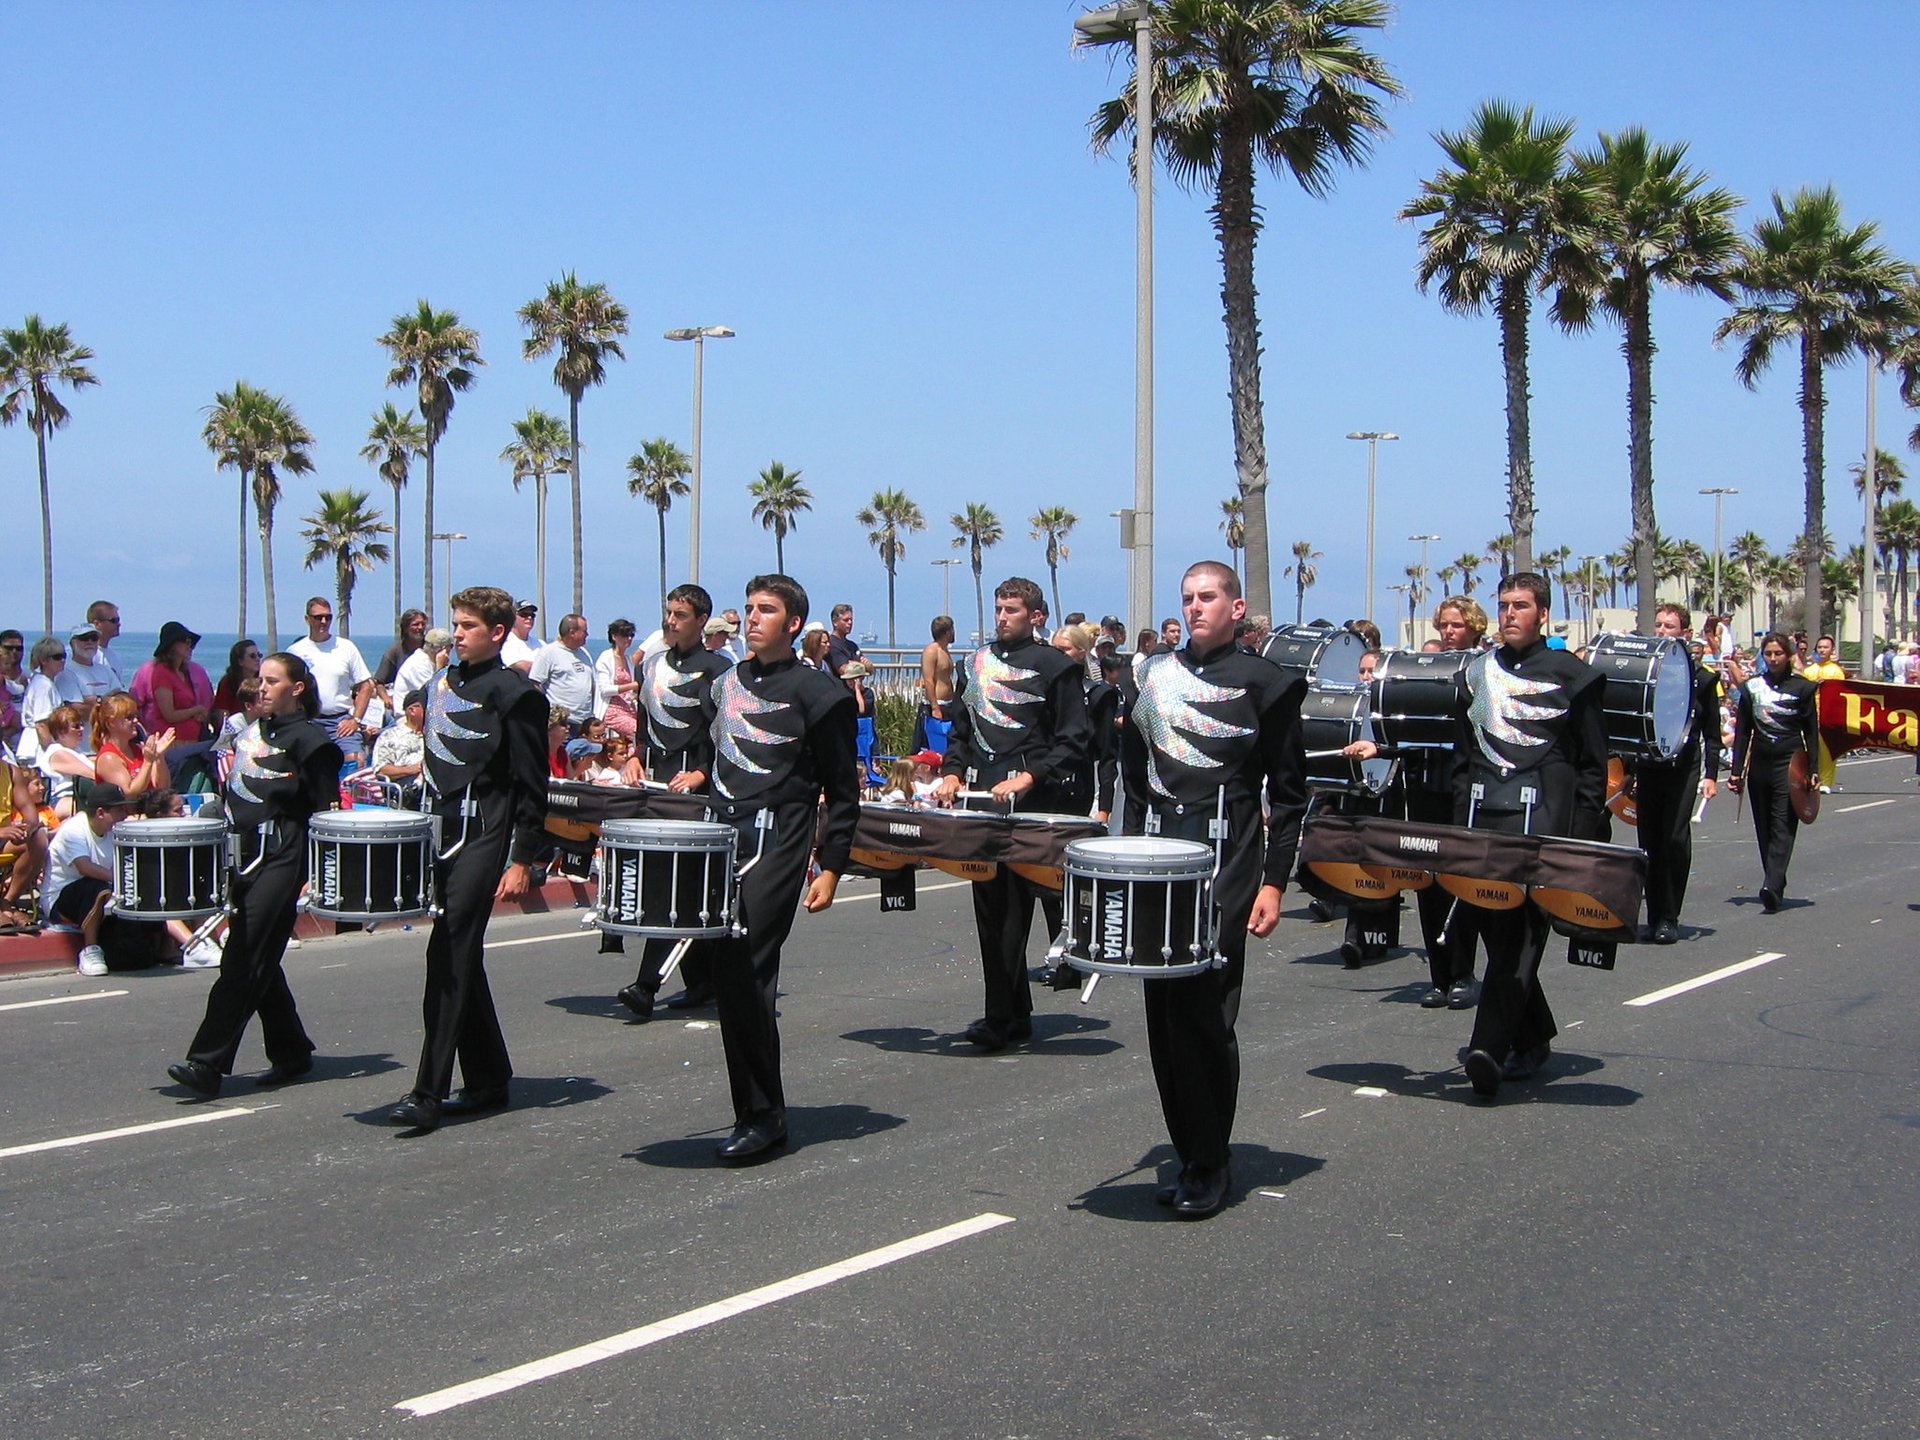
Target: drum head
(1140,856)
(169,831)
(369,824)
(1649,695)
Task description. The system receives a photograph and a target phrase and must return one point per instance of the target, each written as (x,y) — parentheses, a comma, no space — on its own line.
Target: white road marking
(64,999)
(1869,805)
(1311,1113)
(1656,996)
(1847,760)
(200,1118)
(559,1364)
(1372,1092)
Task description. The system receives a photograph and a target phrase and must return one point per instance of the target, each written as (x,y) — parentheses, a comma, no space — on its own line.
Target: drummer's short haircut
(783,588)
(1531,581)
(1018,587)
(490,603)
(1679,612)
(1223,576)
(942,629)
(1469,609)
(694,595)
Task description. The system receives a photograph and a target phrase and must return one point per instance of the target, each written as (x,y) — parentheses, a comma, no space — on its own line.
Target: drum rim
(721,835)
(200,828)
(1192,862)
(370,824)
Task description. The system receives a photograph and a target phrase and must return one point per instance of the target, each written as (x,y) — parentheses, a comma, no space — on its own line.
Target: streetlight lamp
(946,582)
(699,335)
(1869,600)
(1108,23)
(1424,540)
(1373,439)
(1719,493)
(446,571)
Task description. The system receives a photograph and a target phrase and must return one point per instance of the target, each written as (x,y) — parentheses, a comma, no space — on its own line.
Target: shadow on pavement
(1054,1034)
(1558,1083)
(529,1092)
(1129,1196)
(807,1125)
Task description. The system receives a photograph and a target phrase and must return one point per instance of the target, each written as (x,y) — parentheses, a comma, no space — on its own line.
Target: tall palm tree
(1304,573)
(1623,567)
(778,500)
(1446,575)
(1500,551)
(1233,525)
(887,517)
(979,528)
(657,474)
(1501,218)
(1284,82)
(432,351)
(342,530)
(281,446)
(540,448)
(392,442)
(1899,528)
(1653,221)
(1805,275)
(230,433)
(1889,477)
(1748,551)
(583,323)
(1469,565)
(34,359)
(1053,524)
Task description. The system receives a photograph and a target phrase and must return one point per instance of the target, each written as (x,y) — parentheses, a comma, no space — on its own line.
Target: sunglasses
(319,615)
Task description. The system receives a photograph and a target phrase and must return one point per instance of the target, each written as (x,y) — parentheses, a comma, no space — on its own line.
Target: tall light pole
(1424,540)
(1719,493)
(1373,439)
(1110,22)
(1868,581)
(946,582)
(699,335)
(446,572)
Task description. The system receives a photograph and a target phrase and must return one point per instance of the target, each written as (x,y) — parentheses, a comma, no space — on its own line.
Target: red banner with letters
(1867,714)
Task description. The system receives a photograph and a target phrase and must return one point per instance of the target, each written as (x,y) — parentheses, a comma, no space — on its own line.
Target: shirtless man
(936,687)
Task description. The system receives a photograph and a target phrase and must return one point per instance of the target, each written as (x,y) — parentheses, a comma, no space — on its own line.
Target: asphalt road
(1700,1221)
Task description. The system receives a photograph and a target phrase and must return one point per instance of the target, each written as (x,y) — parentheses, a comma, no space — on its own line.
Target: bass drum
(1318,654)
(1417,693)
(1333,717)
(1648,703)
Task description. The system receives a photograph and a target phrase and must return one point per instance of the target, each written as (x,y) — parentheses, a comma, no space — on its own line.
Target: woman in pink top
(173,692)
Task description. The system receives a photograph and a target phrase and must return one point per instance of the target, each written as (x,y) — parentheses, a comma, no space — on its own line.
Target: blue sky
(930,275)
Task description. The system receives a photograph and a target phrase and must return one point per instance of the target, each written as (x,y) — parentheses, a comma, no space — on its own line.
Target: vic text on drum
(1213,729)
(286,767)
(1532,759)
(1020,732)
(486,770)
(1664,791)
(782,734)
(1775,736)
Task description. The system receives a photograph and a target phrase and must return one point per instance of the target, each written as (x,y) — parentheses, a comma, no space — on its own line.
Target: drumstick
(1086,990)
(674,957)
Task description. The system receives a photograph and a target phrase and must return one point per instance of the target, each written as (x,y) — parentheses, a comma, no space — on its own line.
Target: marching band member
(1775,718)
(1664,790)
(1213,730)
(782,734)
(286,767)
(1530,758)
(1022,731)
(487,777)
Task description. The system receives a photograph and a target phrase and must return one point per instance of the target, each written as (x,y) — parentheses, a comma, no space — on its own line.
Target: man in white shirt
(104,616)
(517,651)
(563,672)
(84,665)
(79,880)
(341,681)
(418,668)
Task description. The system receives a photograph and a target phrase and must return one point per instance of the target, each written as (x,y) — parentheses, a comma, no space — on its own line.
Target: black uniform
(1773,720)
(1448,930)
(1203,724)
(285,768)
(1663,796)
(1024,709)
(486,769)
(1530,735)
(782,734)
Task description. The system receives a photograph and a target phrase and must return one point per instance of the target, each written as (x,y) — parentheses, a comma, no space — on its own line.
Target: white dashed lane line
(1656,996)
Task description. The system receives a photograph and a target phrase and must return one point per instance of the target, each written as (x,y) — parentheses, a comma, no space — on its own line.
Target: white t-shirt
(74,840)
(95,679)
(515,651)
(105,656)
(337,668)
(43,697)
(566,677)
(413,674)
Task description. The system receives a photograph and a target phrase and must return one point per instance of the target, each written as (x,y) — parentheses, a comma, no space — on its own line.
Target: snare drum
(1320,654)
(1139,905)
(964,843)
(666,879)
(1416,695)
(367,865)
(1648,701)
(169,869)
(1333,717)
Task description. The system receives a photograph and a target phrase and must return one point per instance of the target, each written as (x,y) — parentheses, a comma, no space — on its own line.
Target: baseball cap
(81,632)
(577,748)
(720,625)
(926,757)
(527,607)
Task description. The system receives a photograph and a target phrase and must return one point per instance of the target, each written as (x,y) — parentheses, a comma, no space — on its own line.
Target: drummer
(286,767)
(1183,768)
(1776,719)
(674,747)
(1664,790)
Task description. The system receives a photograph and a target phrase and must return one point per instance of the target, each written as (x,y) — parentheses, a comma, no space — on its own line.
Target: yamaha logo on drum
(1113,923)
(900,827)
(629,888)
(129,874)
(330,876)
(1427,844)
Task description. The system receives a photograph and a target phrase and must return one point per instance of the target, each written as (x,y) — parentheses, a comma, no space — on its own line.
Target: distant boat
(869,638)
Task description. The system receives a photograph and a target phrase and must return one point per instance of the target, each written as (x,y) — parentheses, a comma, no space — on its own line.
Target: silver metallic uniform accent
(443,704)
(736,706)
(249,753)
(662,697)
(1500,700)
(994,681)
(1168,711)
(1775,712)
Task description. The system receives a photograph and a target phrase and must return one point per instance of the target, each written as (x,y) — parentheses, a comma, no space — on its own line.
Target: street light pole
(946,582)
(446,572)
(698,334)
(1373,439)
(1719,493)
(1868,580)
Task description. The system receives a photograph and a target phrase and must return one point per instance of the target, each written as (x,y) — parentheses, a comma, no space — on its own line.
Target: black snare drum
(369,865)
(1416,696)
(1139,905)
(1648,702)
(169,869)
(1333,717)
(666,879)
(1319,654)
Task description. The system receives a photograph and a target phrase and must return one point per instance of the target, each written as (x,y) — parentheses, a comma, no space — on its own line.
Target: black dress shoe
(1434,999)
(284,1072)
(1167,1194)
(1666,933)
(1483,1073)
(1065,977)
(1769,900)
(987,1035)
(1350,954)
(751,1142)
(476,1102)
(1521,1065)
(1021,1029)
(637,998)
(417,1111)
(1460,995)
(692,998)
(197,1076)
(1201,1193)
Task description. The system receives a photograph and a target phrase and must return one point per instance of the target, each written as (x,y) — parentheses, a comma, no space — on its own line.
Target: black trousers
(1663,797)
(1003,916)
(457,1008)
(1513,1014)
(1449,930)
(746,968)
(1774,822)
(251,981)
(695,967)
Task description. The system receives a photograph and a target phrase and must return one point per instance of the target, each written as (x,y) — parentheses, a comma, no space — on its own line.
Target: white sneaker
(203,956)
(93,960)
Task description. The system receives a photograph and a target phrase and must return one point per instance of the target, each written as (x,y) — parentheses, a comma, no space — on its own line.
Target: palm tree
(34,359)
(657,474)
(1899,530)
(1653,222)
(281,446)
(540,447)
(1500,551)
(1749,552)
(392,442)
(1053,525)
(1468,565)
(230,433)
(1501,218)
(1235,81)
(584,324)
(1623,567)
(1889,477)
(887,517)
(1304,573)
(1234,527)
(1447,574)
(342,531)
(1782,576)
(979,528)
(434,352)
(778,499)
(1807,276)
